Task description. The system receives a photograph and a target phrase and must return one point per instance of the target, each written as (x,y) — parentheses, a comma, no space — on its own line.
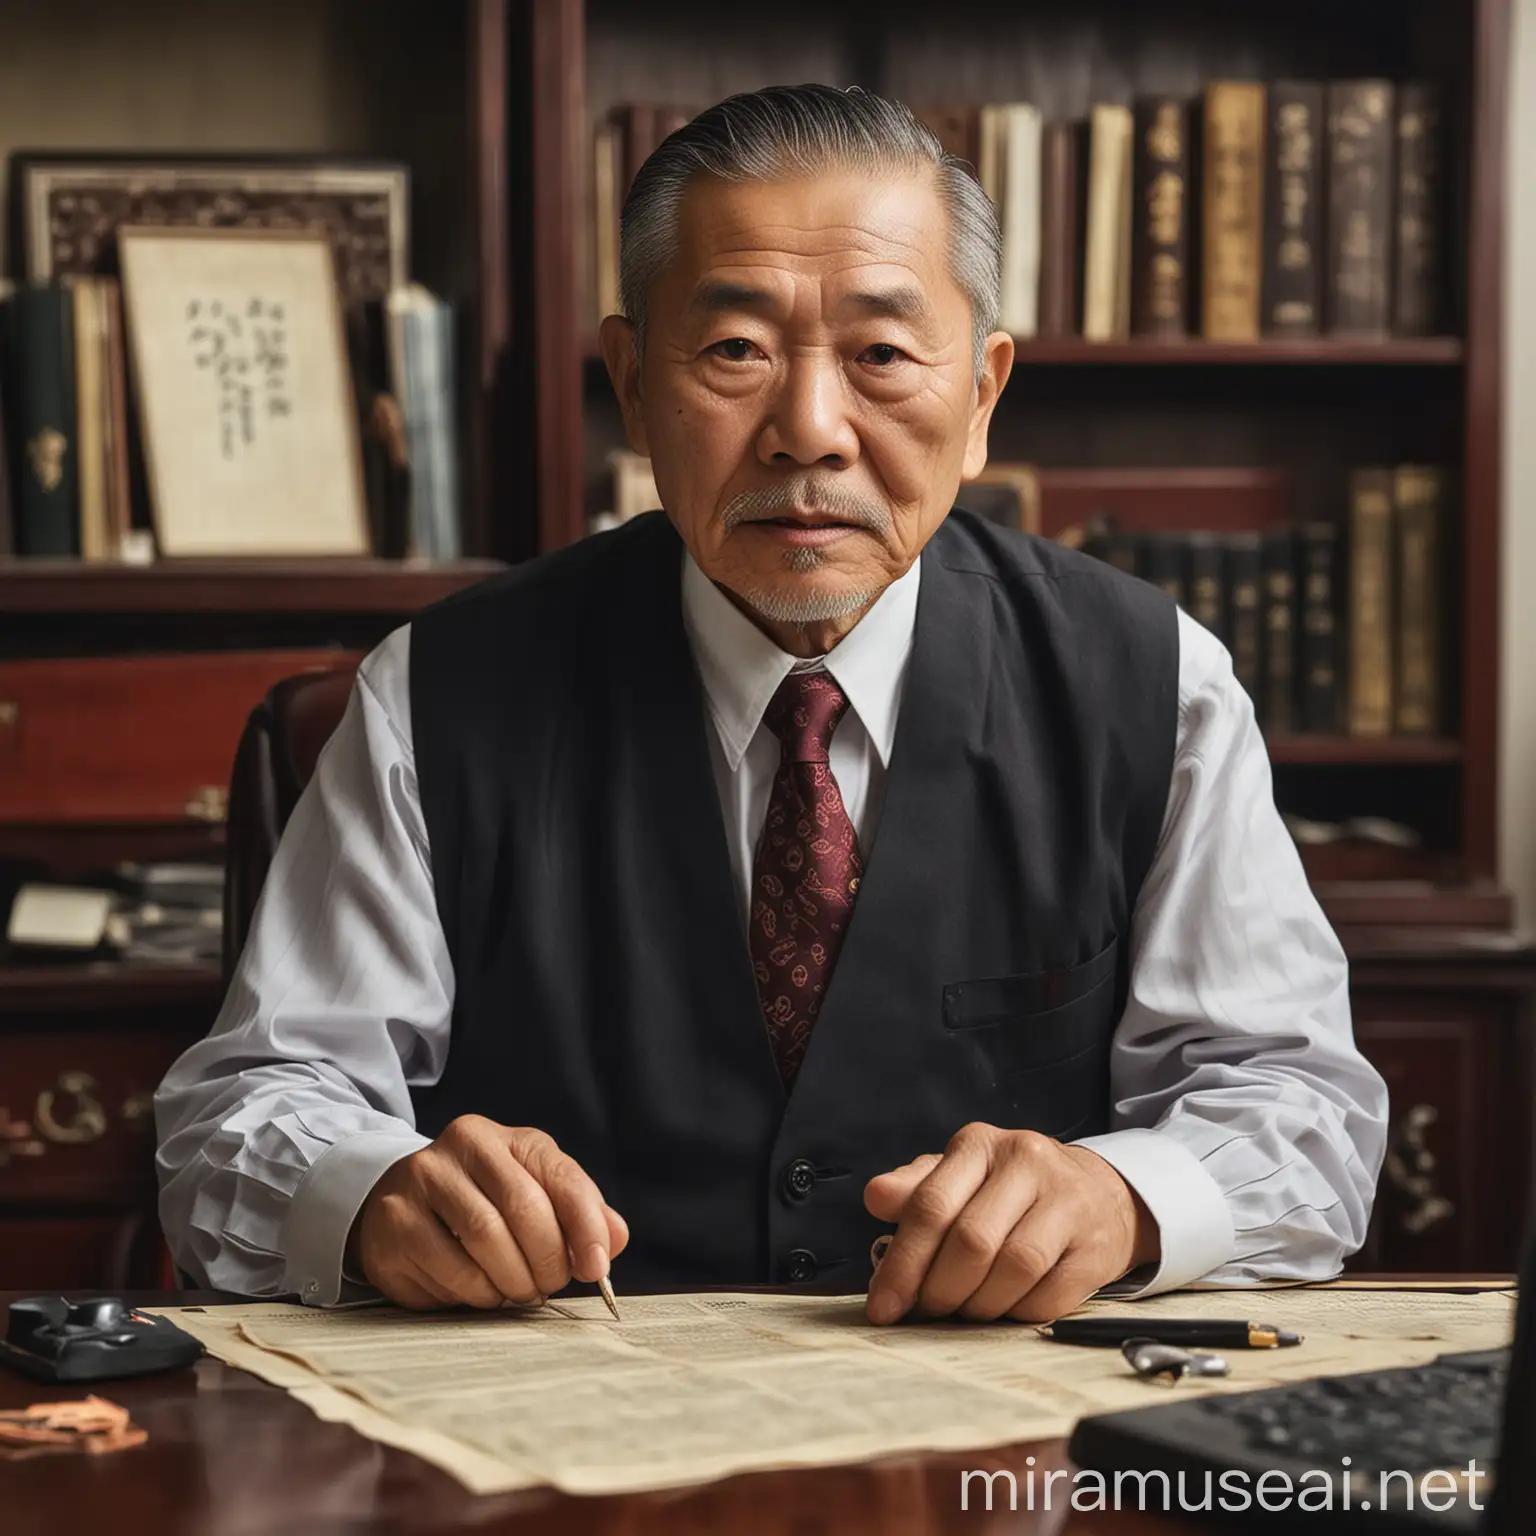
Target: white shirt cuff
(1192,1216)
(323,1207)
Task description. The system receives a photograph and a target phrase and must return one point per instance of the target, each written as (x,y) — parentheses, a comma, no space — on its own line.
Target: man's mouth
(806,528)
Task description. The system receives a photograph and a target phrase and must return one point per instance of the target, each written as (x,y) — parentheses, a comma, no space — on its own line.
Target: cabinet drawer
(131,739)
(58,1253)
(84,1099)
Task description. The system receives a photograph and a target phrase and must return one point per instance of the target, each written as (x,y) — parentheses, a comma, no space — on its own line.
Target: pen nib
(607,1294)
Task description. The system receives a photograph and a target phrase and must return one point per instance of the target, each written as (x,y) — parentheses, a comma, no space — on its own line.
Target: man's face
(807,394)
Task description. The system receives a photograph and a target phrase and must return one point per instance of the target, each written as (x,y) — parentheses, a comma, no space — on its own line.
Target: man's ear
(997,364)
(616,336)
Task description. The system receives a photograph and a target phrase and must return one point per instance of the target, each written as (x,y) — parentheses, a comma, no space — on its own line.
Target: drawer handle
(1410,1170)
(16,1139)
(87,1123)
(209,802)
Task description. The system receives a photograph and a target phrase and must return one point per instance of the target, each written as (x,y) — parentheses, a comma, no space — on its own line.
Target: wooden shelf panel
(1434,351)
(234,586)
(106,984)
(1368,751)
(1418,352)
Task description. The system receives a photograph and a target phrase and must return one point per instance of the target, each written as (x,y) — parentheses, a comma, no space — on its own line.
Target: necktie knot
(804,713)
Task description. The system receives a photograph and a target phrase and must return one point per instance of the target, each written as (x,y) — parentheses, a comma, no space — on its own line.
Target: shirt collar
(741,668)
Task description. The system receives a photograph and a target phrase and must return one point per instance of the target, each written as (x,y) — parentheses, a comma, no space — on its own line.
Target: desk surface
(229,1455)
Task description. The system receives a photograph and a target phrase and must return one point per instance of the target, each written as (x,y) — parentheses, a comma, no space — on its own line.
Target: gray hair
(803,130)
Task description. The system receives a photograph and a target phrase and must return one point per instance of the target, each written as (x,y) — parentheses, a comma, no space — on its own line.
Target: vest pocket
(1038,1044)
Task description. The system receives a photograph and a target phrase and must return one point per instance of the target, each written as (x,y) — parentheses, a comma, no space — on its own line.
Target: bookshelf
(1314,407)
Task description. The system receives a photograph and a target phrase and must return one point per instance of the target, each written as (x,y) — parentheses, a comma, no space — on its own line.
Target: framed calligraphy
(69,207)
(239,363)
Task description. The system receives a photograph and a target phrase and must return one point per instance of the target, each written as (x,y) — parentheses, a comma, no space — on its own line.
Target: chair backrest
(276,758)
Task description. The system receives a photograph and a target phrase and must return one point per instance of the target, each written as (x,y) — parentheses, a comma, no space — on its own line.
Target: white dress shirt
(1242,1113)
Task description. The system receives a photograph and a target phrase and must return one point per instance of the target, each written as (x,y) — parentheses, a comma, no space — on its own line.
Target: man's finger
(1064,1288)
(925,1218)
(578,1203)
(1025,1258)
(618,1232)
(976,1236)
(886,1194)
(472,1217)
(446,1266)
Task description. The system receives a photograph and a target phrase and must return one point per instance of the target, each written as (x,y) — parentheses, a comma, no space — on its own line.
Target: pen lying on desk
(1190,1333)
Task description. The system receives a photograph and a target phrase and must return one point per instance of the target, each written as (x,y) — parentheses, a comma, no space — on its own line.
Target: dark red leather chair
(275,760)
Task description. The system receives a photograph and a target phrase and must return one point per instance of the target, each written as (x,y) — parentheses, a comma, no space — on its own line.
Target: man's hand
(1005,1223)
(486,1214)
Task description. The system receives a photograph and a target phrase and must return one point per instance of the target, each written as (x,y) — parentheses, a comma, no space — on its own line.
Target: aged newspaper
(692,1387)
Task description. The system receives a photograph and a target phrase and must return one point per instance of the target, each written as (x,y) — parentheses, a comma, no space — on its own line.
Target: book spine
(1278,708)
(1161,561)
(1419,225)
(7,442)
(119,453)
(1160,216)
(1207,590)
(1419,497)
(1360,130)
(1106,263)
(607,173)
(1244,622)
(1293,210)
(90,417)
(1234,210)
(48,500)
(1061,228)
(1370,602)
(1021,221)
(992,151)
(1319,627)
(637,123)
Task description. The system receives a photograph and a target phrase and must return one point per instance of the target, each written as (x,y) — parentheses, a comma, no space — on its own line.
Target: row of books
(72,476)
(1320,209)
(1326,633)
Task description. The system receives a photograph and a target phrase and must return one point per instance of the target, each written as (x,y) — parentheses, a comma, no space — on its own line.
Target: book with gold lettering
(1370,602)
(1319,647)
(1233,246)
(1160,219)
(1107,255)
(1359,240)
(1244,627)
(1419,496)
(1277,708)
(1293,210)
(1417,298)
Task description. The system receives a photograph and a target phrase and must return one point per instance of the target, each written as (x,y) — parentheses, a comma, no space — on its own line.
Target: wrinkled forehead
(837,229)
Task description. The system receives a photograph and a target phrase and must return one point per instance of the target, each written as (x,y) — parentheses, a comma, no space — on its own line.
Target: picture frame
(238,360)
(68,206)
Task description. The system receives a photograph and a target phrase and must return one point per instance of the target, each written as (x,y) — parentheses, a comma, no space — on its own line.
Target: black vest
(604,991)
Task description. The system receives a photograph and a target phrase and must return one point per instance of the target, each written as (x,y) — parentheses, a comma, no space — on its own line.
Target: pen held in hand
(606,1289)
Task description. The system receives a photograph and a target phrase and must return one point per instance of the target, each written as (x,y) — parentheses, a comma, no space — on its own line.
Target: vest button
(799,1178)
(801,1264)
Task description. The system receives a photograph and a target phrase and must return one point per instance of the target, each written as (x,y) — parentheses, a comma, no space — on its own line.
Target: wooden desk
(229,1455)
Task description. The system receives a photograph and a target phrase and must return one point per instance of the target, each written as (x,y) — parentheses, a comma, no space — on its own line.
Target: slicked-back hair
(786,132)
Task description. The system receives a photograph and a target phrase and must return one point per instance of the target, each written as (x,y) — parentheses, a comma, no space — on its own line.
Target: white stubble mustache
(814,492)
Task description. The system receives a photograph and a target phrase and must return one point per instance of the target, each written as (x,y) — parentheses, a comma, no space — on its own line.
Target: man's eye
(736,349)
(882,354)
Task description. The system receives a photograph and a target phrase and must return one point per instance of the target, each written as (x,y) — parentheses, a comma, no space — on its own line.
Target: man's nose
(809,419)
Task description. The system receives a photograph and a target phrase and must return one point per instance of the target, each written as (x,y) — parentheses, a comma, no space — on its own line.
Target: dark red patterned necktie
(807,870)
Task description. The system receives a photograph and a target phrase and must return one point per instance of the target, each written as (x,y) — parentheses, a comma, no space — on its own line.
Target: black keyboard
(1425,1420)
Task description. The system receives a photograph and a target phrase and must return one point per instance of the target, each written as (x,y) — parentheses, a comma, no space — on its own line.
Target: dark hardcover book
(48,494)
(637,122)
(1063,211)
(1319,627)
(1161,560)
(1293,210)
(1277,708)
(1419,514)
(1160,219)
(1361,127)
(1419,224)
(1244,621)
(7,446)
(955,127)
(1206,584)
(1371,627)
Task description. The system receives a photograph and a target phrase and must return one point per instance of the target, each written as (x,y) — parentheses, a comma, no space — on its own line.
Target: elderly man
(806,862)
